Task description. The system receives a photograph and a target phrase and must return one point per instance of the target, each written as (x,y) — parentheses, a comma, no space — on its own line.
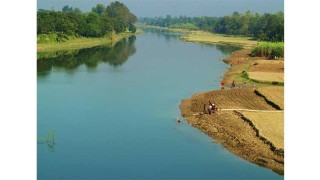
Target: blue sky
(152,8)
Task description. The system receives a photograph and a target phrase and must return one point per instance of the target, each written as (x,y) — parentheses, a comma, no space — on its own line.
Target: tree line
(266,27)
(97,23)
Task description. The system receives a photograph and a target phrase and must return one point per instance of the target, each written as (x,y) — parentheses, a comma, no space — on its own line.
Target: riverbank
(250,119)
(82,42)
(210,38)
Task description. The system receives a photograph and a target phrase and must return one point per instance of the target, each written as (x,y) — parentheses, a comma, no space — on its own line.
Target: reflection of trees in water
(91,57)
(227,49)
(162,32)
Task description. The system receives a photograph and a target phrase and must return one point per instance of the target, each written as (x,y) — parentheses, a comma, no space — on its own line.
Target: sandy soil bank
(250,119)
(231,127)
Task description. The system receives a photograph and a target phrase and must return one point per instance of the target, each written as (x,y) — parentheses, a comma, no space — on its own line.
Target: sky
(157,8)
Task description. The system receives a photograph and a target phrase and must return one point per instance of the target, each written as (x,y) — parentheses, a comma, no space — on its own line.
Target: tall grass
(269,49)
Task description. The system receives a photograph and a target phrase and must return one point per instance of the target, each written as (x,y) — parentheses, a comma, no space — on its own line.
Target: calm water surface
(114,113)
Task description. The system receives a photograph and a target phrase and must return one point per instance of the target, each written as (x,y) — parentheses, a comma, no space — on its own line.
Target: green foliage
(244,75)
(52,38)
(266,27)
(99,9)
(72,22)
(120,16)
(61,37)
(269,49)
(132,28)
(47,139)
(66,8)
(46,38)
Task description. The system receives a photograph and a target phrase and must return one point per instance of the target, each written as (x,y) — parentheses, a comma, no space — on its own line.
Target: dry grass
(270,125)
(273,94)
(205,37)
(267,66)
(267,76)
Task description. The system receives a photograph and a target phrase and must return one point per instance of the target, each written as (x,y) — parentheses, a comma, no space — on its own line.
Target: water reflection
(169,35)
(91,57)
(227,49)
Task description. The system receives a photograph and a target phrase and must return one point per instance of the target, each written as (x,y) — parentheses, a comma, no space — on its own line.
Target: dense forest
(266,27)
(100,21)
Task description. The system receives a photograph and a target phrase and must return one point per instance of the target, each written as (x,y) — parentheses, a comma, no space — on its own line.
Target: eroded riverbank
(250,120)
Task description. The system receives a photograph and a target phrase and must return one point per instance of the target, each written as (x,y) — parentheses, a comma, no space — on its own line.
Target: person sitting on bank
(212,107)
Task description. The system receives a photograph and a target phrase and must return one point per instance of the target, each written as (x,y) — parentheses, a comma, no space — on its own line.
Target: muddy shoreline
(229,126)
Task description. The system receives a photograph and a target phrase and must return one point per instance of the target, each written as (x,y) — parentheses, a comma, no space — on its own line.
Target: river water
(114,111)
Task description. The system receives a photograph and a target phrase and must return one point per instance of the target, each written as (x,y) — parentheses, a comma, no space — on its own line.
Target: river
(114,112)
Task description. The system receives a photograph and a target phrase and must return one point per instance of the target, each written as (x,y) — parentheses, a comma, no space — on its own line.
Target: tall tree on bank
(120,16)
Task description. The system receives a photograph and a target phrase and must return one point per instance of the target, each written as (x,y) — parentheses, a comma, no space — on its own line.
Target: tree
(99,9)
(120,15)
(77,11)
(99,22)
(66,8)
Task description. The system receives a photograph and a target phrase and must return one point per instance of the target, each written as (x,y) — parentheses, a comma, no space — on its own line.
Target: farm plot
(273,94)
(269,124)
(267,76)
(267,66)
